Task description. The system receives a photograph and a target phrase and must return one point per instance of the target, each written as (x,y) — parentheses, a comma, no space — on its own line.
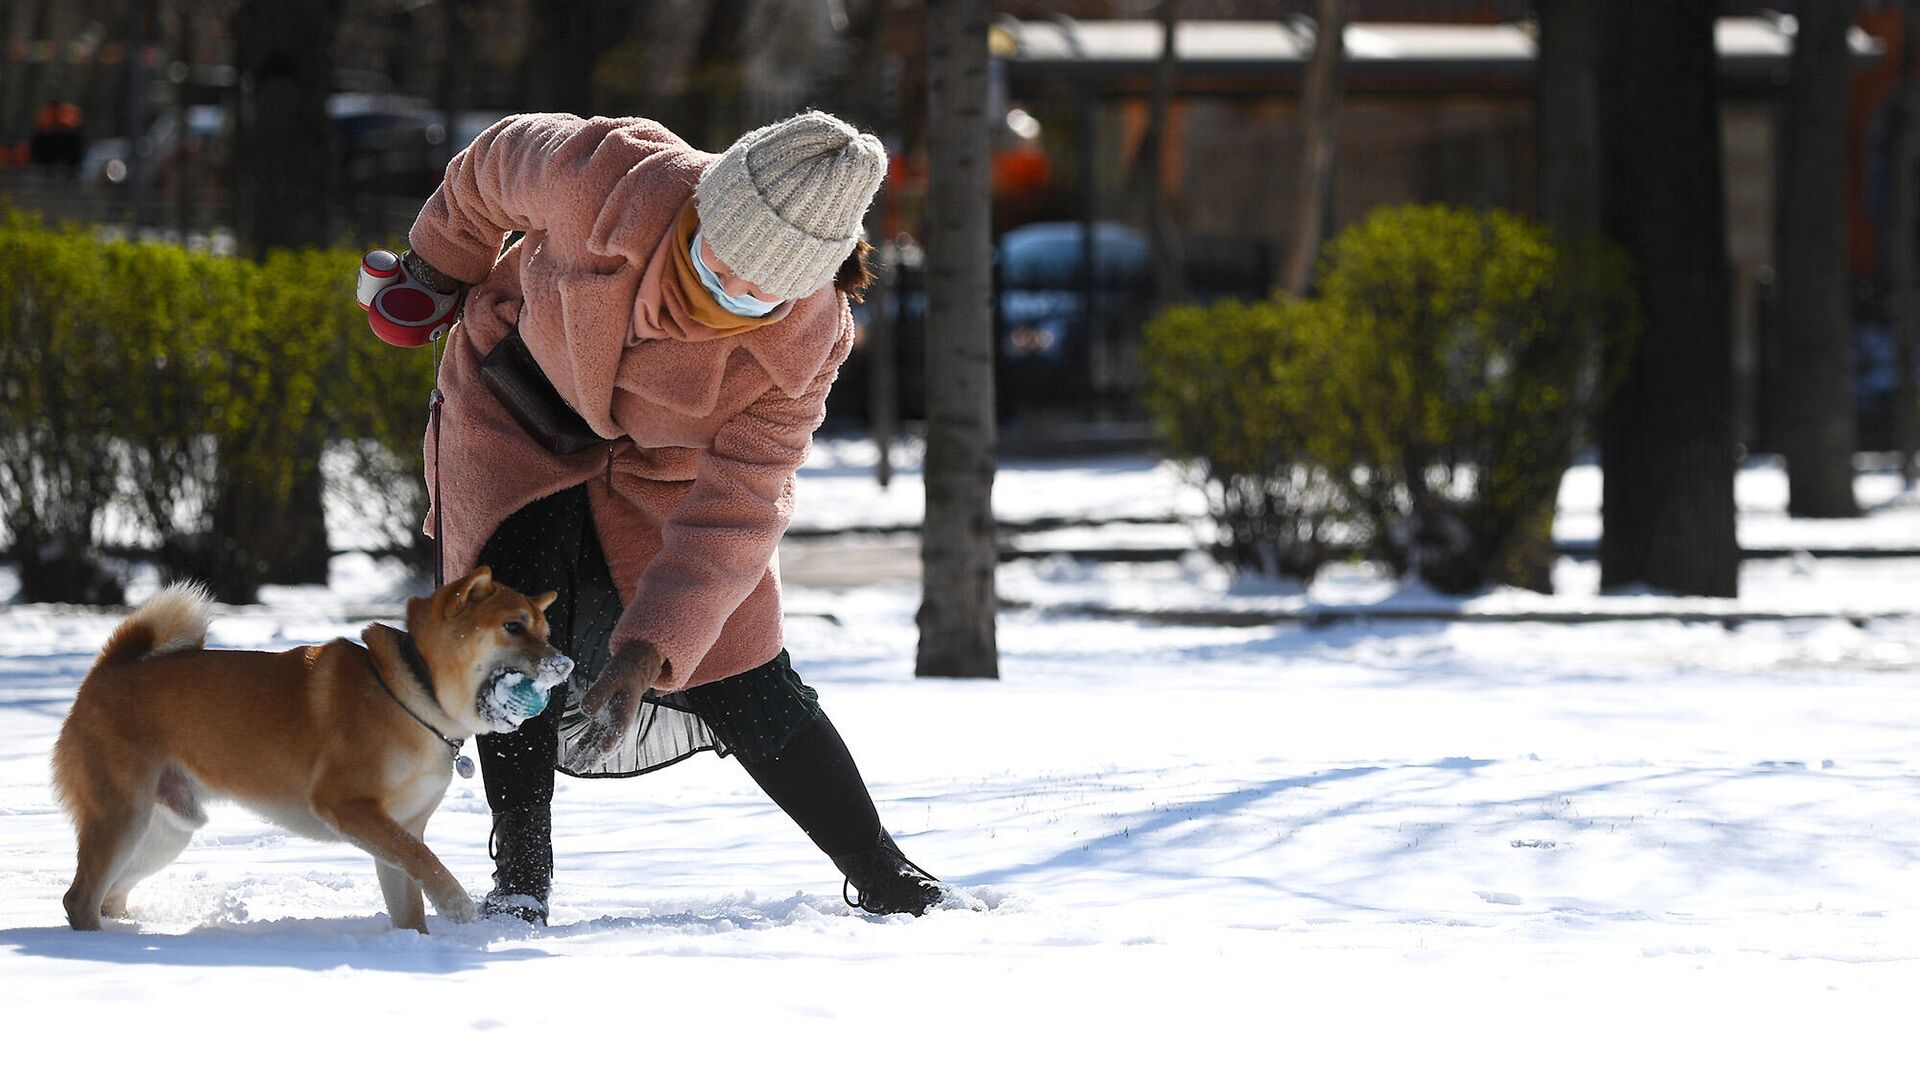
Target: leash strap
(434,401)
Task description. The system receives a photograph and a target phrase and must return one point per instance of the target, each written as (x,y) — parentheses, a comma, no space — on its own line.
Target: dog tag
(464,766)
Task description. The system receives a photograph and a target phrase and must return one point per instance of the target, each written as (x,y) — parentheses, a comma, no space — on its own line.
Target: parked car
(167,142)
(1876,384)
(1043,292)
(1046,361)
(386,143)
(1052,346)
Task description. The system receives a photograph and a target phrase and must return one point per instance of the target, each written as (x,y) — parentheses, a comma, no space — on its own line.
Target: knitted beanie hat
(782,206)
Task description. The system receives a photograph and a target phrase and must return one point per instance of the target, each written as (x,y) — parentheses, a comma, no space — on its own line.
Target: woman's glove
(612,703)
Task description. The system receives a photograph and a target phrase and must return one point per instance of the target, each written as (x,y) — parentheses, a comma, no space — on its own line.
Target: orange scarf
(673,304)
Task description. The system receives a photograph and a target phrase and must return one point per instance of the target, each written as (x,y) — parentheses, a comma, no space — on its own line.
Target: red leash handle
(401,309)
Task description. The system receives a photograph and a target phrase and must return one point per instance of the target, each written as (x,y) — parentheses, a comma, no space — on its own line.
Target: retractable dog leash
(402,311)
(400,308)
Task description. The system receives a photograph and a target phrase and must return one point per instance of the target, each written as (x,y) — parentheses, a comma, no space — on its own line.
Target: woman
(693,310)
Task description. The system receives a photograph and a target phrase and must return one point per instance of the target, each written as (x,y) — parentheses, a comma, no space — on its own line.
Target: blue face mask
(751,307)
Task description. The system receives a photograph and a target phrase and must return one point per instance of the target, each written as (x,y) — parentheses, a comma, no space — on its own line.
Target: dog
(341,741)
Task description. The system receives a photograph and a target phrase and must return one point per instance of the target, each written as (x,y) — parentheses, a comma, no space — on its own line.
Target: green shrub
(195,392)
(1421,409)
(58,398)
(1462,352)
(163,326)
(1230,393)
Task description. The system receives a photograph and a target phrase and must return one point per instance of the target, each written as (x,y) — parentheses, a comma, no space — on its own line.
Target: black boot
(522,850)
(888,881)
(816,782)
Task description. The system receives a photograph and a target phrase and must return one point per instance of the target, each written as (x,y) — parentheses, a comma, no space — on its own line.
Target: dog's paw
(459,907)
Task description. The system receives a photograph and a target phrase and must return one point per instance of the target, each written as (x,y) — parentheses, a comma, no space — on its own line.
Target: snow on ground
(1760,491)
(1652,847)
(838,490)
(1803,585)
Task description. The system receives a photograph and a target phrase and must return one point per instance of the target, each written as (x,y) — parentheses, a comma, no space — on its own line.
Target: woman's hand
(612,703)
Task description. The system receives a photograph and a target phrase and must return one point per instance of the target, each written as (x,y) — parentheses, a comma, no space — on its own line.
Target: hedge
(172,387)
(1421,408)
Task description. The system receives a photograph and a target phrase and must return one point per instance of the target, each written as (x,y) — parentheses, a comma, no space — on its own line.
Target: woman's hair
(855,274)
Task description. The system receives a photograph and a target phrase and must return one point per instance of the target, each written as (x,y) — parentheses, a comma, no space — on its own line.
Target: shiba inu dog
(341,741)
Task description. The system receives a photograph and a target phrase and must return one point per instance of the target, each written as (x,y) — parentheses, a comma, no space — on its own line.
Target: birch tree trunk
(958,554)
(1815,391)
(1666,435)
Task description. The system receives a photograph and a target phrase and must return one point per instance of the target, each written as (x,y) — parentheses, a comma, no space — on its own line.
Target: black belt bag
(516,380)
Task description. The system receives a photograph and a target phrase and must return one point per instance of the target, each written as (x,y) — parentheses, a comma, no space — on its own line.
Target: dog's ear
(545,599)
(475,587)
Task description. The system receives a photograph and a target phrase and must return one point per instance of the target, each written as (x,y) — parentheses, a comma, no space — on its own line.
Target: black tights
(816,782)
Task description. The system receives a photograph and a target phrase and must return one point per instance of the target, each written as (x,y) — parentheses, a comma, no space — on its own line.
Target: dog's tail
(174,620)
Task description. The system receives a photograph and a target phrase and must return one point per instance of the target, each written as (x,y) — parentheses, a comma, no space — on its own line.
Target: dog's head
(473,628)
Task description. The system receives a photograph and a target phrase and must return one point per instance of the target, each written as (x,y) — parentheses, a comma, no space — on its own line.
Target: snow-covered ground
(1639,848)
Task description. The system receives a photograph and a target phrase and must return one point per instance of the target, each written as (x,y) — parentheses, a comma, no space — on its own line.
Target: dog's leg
(373,830)
(108,837)
(166,837)
(404,903)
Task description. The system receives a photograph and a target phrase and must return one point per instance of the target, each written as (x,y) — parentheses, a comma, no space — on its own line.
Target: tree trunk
(284,163)
(139,18)
(667,58)
(883,367)
(282,153)
(958,555)
(871,88)
(1815,390)
(1903,260)
(1320,111)
(1567,118)
(1566,126)
(1666,434)
(26,21)
(1163,234)
(456,49)
(568,40)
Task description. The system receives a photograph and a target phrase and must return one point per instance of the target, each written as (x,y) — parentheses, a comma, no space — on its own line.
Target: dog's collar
(415,662)
(418,665)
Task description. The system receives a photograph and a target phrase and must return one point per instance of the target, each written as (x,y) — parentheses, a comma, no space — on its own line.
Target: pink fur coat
(690,508)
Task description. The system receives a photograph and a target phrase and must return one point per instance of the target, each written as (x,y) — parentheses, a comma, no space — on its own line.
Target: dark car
(1052,349)
(1051,357)
(386,143)
(1876,384)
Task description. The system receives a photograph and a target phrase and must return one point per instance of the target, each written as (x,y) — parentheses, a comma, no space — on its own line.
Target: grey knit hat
(782,206)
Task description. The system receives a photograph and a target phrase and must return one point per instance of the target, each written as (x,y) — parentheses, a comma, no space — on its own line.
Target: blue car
(1042,290)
